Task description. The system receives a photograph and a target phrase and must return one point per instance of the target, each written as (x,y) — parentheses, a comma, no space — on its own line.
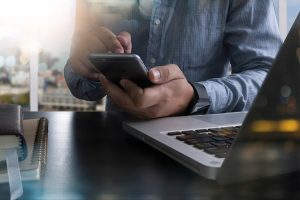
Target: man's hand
(170,95)
(102,40)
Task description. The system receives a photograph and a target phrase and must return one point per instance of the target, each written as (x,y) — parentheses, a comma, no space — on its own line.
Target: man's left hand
(170,94)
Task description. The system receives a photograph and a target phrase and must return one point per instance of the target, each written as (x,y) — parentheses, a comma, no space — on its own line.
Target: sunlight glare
(32,20)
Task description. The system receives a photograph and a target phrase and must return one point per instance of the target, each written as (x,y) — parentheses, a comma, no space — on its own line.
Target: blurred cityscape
(52,89)
(52,46)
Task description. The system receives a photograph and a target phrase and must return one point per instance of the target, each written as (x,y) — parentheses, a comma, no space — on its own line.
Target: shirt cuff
(81,87)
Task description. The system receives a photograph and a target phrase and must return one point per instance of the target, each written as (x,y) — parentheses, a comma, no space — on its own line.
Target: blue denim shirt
(227,46)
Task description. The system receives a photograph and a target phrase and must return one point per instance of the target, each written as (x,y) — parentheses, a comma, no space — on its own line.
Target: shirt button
(157,22)
(152,60)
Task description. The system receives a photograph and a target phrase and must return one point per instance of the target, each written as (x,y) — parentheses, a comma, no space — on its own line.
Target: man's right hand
(101,40)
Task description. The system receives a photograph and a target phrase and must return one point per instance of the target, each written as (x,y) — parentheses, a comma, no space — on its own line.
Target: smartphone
(116,67)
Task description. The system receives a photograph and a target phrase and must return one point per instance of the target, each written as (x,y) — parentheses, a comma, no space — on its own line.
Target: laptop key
(218,134)
(189,132)
(220,144)
(174,133)
(221,155)
(204,140)
(203,145)
(192,142)
(219,138)
(231,129)
(215,150)
(210,150)
(214,130)
(231,137)
(220,141)
(229,142)
(199,140)
(188,137)
(202,131)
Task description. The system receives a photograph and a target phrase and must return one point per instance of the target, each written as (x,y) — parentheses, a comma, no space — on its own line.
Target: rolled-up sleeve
(252,40)
(81,87)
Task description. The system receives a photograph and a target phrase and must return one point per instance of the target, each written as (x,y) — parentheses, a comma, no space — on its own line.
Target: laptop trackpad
(223,119)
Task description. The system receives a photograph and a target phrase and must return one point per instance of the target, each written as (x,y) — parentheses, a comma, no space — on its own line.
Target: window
(293,9)
(15,49)
(55,42)
(287,12)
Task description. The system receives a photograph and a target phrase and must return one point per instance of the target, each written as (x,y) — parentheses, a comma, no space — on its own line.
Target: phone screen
(121,66)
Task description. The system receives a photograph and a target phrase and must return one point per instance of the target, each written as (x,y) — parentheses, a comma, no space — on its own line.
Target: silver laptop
(234,147)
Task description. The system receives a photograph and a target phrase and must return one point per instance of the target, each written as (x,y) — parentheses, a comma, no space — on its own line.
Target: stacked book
(28,138)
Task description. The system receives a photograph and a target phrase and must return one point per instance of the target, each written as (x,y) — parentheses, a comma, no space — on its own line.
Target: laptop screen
(277,106)
(268,143)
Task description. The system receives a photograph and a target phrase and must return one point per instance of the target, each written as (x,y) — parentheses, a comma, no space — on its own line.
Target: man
(189,47)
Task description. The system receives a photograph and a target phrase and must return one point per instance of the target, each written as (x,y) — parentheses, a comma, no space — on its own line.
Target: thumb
(164,74)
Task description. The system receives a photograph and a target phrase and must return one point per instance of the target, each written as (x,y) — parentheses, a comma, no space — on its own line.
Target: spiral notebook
(33,167)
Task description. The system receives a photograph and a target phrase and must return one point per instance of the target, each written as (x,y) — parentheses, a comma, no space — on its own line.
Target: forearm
(235,92)
(251,39)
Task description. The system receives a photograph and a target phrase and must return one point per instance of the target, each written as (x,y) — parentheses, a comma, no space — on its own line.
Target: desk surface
(90,157)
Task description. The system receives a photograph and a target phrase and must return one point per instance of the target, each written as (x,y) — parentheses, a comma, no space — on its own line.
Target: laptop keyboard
(215,141)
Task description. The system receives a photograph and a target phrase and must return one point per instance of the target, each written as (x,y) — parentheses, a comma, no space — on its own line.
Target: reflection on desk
(90,157)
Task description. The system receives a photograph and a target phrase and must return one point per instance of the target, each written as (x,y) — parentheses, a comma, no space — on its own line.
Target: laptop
(241,146)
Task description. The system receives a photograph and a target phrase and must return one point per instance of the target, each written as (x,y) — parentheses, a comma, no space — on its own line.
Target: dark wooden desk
(90,157)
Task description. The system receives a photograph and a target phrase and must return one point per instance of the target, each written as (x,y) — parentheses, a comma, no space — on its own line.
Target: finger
(90,42)
(81,51)
(109,39)
(95,45)
(125,40)
(79,68)
(88,65)
(82,56)
(134,92)
(143,98)
(164,74)
(116,94)
(119,97)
